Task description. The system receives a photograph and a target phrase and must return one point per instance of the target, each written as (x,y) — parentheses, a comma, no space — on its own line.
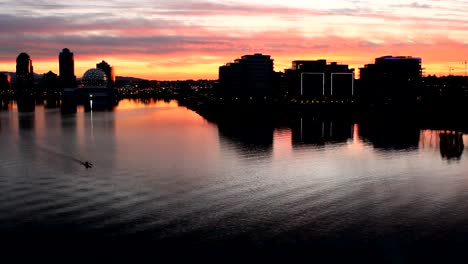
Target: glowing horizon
(185,39)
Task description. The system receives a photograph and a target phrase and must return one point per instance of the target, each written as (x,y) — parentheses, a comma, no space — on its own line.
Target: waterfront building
(67,69)
(391,80)
(317,79)
(249,76)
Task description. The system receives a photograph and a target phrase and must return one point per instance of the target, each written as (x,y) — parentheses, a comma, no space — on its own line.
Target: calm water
(166,181)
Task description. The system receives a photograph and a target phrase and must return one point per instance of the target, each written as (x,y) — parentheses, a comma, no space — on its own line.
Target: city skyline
(191,39)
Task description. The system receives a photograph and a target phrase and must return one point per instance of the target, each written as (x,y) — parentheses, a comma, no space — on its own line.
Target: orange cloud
(189,39)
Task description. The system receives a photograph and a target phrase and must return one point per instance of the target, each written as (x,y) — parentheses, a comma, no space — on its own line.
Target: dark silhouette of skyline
(391,81)
(57,90)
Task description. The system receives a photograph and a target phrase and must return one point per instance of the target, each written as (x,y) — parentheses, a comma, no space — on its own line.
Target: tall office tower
(24,74)
(109,70)
(67,76)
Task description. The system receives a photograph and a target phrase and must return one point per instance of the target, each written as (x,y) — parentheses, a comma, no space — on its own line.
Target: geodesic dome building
(94,78)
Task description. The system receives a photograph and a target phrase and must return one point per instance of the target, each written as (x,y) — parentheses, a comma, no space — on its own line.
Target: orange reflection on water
(356,144)
(136,104)
(429,139)
(282,147)
(178,116)
(159,111)
(161,134)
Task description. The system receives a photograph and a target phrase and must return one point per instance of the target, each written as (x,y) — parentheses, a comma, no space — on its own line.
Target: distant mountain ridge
(37,76)
(128,79)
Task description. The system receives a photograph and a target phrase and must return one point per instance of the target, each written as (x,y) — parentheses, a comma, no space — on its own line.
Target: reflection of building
(391,80)
(451,145)
(24,74)
(310,130)
(390,133)
(67,69)
(316,79)
(248,134)
(249,76)
(109,71)
(247,130)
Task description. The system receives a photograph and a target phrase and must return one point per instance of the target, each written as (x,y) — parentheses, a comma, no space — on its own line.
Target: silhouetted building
(391,80)
(95,95)
(49,84)
(24,74)
(67,69)
(109,71)
(447,90)
(249,76)
(95,78)
(317,79)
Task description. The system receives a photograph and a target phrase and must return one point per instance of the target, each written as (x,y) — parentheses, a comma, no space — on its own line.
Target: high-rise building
(109,71)
(249,76)
(24,74)
(67,76)
(317,79)
(391,79)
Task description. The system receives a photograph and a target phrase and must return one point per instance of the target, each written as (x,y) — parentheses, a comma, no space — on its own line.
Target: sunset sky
(182,39)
